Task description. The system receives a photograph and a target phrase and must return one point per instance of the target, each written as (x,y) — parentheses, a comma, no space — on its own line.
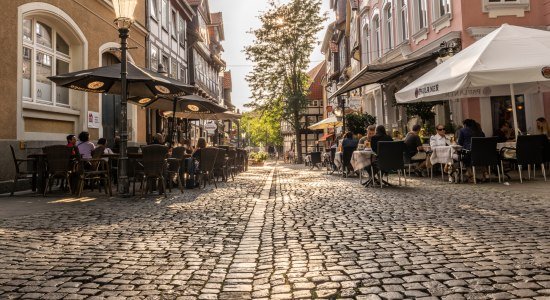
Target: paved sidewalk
(282,232)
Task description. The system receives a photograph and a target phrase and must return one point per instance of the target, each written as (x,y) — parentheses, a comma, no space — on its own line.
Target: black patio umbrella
(142,83)
(187,107)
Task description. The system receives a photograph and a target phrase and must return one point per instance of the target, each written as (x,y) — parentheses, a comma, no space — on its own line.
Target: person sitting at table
(414,150)
(380,136)
(439,138)
(349,141)
(371,131)
(102,142)
(85,147)
(471,129)
(201,144)
(187,146)
(543,127)
(504,132)
(71,143)
(158,139)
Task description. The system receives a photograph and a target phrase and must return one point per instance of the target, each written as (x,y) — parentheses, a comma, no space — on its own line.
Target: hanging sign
(94,120)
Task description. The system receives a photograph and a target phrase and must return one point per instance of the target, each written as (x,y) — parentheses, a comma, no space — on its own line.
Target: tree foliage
(280,53)
(263,127)
(358,123)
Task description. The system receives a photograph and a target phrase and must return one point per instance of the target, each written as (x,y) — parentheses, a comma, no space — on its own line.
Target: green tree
(358,123)
(263,127)
(280,53)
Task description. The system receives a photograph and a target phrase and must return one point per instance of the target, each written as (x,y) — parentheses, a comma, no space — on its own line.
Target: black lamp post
(124,11)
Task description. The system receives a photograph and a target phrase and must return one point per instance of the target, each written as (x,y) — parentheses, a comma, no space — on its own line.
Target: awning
(326,137)
(378,73)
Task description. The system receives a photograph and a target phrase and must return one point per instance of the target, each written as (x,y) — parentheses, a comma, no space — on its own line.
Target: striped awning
(379,73)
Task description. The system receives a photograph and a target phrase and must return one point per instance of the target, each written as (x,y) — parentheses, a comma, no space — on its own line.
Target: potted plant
(258,158)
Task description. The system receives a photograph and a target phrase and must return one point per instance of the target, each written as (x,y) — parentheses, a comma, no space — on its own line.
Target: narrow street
(283,232)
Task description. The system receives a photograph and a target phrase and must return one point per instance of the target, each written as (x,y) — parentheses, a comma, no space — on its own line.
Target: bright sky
(239,17)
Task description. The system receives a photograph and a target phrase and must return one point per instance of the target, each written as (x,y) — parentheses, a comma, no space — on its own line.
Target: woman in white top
(439,139)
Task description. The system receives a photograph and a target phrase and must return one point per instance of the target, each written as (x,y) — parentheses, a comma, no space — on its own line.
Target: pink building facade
(373,32)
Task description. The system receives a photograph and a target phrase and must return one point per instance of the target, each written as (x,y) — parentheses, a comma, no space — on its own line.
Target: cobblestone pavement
(284,233)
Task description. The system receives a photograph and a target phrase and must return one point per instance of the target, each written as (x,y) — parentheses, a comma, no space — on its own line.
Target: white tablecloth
(444,154)
(338,159)
(506,144)
(361,159)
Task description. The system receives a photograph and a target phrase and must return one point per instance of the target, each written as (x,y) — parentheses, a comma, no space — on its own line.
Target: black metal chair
(331,167)
(530,152)
(154,166)
(483,154)
(58,165)
(315,160)
(29,173)
(390,158)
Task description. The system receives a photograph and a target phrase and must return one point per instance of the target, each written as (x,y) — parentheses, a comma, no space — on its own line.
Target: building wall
(88,26)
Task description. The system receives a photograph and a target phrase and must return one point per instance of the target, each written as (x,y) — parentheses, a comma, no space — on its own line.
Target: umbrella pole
(123,183)
(173,125)
(514,112)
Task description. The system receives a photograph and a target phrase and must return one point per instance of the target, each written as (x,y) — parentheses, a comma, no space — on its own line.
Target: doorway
(501,108)
(110,106)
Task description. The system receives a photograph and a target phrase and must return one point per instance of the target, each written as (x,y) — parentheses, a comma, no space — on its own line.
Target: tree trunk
(298,134)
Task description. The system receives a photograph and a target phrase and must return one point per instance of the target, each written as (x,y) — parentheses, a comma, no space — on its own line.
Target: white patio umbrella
(508,60)
(329,122)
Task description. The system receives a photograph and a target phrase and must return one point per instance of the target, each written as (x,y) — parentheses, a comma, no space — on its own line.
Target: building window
(45,53)
(181,31)
(154,58)
(342,53)
(421,14)
(442,7)
(174,25)
(166,63)
(365,51)
(154,9)
(498,8)
(183,74)
(403,21)
(174,69)
(388,28)
(377,49)
(165,12)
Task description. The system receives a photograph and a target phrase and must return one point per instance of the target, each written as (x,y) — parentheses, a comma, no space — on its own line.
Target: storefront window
(502,112)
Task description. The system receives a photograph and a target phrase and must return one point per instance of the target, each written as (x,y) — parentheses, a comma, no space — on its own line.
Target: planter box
(254,162)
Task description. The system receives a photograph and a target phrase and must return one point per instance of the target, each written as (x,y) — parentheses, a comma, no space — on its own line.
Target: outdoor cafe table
(338,159)
(506,145)
(361,159)
(444,154)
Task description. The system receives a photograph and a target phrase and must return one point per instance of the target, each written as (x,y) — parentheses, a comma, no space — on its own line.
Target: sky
(239,17)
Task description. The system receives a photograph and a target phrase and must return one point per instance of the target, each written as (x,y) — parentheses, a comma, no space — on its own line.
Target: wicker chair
(232,163)
(206,165)
(29,173)
(58,164)
(174,168)
(95,170)
(220,165)
(154,166)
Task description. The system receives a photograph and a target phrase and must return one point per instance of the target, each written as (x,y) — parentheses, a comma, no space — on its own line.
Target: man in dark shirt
(413,142)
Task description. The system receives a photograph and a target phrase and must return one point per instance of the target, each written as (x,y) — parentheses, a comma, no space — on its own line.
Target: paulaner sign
(426,90)
(475,92)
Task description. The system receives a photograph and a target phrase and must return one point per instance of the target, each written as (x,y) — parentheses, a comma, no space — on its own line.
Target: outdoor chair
(94,170)
(390,158)
(346,160)
(530,152)
(174,168)
(220,165)
(483,154)
(239,163)
(29,173)
(315,160)
(330,165)
(154,167)
(232,163)
(206,165)
(58,165)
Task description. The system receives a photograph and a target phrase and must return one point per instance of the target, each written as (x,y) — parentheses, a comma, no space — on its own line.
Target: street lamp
(124,11)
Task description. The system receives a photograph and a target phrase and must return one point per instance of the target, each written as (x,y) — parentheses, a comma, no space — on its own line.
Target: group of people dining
(416,151)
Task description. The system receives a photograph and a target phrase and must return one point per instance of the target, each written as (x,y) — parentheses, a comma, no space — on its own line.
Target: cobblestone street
(284,232)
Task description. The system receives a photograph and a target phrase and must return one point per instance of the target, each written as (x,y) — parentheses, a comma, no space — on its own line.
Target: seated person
(414,150)
(71,143)
(201,143)
(349,141)
(439,139)
(380,136)
(85,147)
(504,133)
(371,131)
